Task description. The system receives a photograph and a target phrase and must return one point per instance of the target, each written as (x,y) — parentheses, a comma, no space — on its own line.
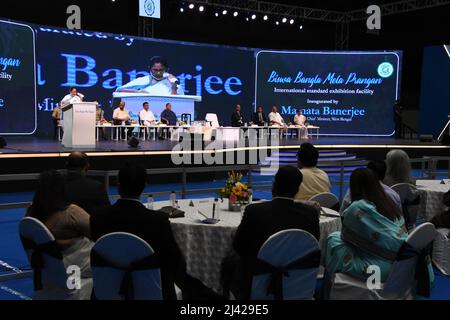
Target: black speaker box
(133,142)
(426,138)
(3,142)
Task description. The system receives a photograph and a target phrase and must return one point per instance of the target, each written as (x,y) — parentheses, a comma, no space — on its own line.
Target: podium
(181,104)
(79,125)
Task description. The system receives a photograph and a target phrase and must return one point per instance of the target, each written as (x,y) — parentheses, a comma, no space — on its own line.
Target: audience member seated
(315,181)
(372,233)
(262,220)
(121,116)
(379,169)
(68,223)
(259,118)
(442,220)
(128,214)
(237,119)
(398,168)
(81,190)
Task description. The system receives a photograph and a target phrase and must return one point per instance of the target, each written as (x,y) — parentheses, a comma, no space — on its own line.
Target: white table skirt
(205,246)
(431,193)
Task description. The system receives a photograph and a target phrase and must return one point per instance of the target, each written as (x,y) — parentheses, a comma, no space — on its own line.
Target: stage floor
(29,146)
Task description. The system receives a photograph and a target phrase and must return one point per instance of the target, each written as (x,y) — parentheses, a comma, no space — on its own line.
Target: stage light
(265,18)
(253,16)
(191,6)
(301,27)
(201,8)
(277,23)
(284,20)
(181,9)
(246,19)
(235,14)
(224,12)
(292,21)
(216,14)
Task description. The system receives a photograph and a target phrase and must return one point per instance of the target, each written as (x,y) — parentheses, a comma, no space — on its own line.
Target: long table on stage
(226,133)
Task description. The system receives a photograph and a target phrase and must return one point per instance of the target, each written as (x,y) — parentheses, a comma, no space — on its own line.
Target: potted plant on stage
(237,192)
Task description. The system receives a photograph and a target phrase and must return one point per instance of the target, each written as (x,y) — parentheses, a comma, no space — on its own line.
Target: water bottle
(150,202)
(250,195)
(173,199)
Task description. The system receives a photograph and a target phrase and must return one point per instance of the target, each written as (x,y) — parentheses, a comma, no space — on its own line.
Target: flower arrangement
(235,190)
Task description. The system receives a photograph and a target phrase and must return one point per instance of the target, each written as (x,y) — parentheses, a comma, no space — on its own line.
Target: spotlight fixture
(191,6)
(301,27)
(284,20)
(216,14)
(224,12)
(277,23)
(291,21)
(235,14)
(246,19)
(181,9)
(265,18)
(201,8)
(253,16)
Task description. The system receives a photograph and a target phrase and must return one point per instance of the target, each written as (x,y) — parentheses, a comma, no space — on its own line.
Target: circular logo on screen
(149,7)
(385,70)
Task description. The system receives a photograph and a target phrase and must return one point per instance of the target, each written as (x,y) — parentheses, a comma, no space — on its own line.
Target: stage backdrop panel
(98,63)
(17,79)
(435,95)
(345,93)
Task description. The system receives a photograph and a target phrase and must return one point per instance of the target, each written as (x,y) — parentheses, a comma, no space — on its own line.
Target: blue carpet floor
(11,251)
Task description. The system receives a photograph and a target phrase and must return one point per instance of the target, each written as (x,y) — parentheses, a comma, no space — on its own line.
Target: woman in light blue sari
(372,234)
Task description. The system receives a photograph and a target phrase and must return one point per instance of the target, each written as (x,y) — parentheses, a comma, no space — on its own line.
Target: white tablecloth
(431,192)
(205,246)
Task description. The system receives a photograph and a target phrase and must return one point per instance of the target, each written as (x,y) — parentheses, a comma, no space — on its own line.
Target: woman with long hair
(68,223)
(373,230)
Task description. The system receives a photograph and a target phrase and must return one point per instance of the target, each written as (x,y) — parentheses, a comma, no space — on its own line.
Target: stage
(29,154)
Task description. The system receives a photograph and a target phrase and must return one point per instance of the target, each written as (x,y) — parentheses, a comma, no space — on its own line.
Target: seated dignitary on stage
(315,181)
(275,118)
(128,214)
(262,220)
(237,120)
(159,82)
(168,116)
(146,116)
(121,116)
(300,121)
(259,118)
(85,192)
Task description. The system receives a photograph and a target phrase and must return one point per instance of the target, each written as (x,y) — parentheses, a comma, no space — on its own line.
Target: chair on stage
(49,264)
(132,273)
(326,200)
(212,119)
(410,199)
(287,267)
(401,283)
